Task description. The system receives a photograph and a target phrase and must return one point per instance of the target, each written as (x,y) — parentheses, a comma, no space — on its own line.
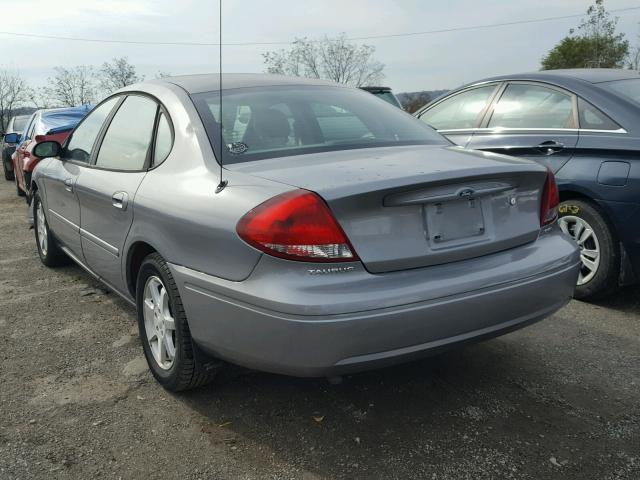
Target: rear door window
(592,118)
(126,144)
(460,111)
(533,106)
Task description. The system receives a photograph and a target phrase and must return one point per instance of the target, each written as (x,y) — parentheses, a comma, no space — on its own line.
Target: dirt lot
(560,399)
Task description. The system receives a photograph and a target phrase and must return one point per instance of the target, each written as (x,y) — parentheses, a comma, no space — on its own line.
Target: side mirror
(47,149)
(12,138)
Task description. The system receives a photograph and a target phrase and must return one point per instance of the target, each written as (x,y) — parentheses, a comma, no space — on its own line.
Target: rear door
(106,191)
(530,120)
(457,116)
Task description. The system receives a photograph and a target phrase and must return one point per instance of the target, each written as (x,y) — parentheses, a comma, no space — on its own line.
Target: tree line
(67,87)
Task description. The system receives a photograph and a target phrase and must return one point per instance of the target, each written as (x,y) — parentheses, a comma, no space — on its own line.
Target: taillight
(296,225)
(550,200)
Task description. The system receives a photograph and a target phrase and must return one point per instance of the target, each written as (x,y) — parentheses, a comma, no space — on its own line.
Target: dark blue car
(585,125)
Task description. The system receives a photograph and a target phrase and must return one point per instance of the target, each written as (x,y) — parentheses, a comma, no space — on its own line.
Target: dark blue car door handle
(550,147)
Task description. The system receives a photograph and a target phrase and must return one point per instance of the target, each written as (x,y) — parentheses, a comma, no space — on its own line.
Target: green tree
(595,44)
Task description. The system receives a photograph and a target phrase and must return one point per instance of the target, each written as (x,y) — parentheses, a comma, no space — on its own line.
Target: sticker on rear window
(237,148)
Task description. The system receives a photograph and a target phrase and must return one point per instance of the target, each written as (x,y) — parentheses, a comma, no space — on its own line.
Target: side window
(460,111)
(82,139)
(164,140)
(32,127)
(592,118)
(126,143)
(532,106)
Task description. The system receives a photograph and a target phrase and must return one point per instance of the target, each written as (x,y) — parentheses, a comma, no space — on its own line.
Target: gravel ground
(560,399)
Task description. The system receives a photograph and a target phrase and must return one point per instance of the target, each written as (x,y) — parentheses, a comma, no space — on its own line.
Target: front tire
(48,249)
(19,191)
(173,358)
(8,174)
(599,248)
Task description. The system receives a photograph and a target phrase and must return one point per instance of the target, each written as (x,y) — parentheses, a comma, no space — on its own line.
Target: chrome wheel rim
(583,234)
(159,324)
(42,229)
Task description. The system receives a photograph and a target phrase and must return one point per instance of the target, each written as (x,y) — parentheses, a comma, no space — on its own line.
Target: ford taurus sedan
(341,233)
(585,125)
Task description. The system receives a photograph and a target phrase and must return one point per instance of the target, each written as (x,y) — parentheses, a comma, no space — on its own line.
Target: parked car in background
(324,251)
(385,93)
(585,125)
(15,125)
(53,124)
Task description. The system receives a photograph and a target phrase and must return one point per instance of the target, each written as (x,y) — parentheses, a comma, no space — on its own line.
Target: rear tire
(48,249)
(174,360)
(599,248)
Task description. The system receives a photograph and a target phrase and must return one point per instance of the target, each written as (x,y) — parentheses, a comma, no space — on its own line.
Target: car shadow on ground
(483,410)
(625,300)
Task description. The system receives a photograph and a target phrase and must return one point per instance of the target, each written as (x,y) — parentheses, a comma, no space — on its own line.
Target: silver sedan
(341,233)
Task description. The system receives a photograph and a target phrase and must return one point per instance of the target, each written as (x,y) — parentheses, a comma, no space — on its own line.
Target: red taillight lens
(550,200)
(296,225)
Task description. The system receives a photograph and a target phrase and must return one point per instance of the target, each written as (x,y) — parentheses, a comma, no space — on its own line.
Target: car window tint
(126,143)
(460,111)
(338,124)
(164,140)
(532,106)
(82,139)
(591,117)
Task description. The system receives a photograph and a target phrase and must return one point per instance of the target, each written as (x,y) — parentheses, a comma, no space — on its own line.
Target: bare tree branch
(71,87)
(336,59)
(13,93)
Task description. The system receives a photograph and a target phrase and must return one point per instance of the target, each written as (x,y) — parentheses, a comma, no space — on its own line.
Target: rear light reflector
(550,200)
(296,225)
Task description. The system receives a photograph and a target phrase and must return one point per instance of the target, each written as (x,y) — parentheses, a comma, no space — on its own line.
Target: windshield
(269,122)
(628,88)
(19,123)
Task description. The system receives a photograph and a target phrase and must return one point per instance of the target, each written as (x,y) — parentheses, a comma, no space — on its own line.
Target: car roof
(591,75)
(210,82)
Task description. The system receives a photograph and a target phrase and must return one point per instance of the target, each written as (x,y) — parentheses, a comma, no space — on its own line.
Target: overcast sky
(425,62)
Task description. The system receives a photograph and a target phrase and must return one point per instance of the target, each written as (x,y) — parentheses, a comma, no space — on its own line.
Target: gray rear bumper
(228,320)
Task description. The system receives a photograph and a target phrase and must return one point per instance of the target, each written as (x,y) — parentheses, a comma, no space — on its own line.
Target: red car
(55,124)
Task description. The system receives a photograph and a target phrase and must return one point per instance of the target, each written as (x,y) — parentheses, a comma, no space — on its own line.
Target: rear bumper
(312,344)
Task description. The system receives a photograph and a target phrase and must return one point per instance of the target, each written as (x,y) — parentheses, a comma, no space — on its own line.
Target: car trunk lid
(415,206)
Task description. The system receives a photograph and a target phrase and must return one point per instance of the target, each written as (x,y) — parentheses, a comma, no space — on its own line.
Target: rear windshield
(628,88)
(19,123)
(269,122)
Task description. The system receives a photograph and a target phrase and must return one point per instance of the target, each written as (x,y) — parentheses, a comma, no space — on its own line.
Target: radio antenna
(223,183)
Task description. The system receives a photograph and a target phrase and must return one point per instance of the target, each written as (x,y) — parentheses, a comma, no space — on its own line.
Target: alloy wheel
(159,324)
(583,234)
(42,229)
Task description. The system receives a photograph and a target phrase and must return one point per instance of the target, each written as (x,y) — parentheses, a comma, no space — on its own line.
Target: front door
(535,121)
(61,179)
(106,192)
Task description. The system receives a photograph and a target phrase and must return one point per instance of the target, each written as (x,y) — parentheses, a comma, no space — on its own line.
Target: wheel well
(137,254)
(571,195)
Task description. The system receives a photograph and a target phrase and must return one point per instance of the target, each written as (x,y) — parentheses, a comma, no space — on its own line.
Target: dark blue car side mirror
(12,138)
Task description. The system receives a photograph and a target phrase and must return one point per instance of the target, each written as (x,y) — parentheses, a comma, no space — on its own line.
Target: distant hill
(412,101)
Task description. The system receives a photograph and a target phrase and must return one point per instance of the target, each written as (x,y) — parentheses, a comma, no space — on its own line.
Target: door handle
(550,147)
(120,200)
(68,184)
